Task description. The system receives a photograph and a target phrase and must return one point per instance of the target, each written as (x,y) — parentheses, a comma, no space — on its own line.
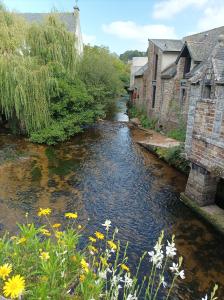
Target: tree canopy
(45,88)
(129,54)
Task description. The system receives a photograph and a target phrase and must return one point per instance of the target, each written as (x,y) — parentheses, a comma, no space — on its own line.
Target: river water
(103,174)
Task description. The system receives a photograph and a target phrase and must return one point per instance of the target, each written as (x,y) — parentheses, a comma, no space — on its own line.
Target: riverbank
(167,149)
(171,151)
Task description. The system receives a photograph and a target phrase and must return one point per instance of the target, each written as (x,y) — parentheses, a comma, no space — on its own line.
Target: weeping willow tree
(29,56)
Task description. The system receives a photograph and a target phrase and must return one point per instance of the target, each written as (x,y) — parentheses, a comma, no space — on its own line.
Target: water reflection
(104,174)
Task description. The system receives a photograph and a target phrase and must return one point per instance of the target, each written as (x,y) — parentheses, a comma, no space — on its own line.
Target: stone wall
(205,131)
(201,186)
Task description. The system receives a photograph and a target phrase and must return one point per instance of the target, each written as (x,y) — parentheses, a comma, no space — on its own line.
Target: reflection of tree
(47,177)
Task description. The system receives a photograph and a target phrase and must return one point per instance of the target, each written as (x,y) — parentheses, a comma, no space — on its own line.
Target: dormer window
(207,90)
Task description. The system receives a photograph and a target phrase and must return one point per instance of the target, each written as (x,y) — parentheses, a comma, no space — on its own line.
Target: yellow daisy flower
(82,278)
(99,235)
(71,215)
(85,265)
(92,239)
(5,270)
(58,234)
(103,261)
(56,225)
(92,248)
(44,255)
(45,232)
(21,240)
(14,287)
(112,245)
(44,212)
(125,267)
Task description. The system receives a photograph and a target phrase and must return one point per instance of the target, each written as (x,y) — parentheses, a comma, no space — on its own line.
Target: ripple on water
(103,174)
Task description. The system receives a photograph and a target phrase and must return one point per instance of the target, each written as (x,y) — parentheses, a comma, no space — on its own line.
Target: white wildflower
(131,297)
(116,230)
(206,297)
(174,268)
(127,280)
(116,279)
(156,258)
(181,274)
(103,275)
(107,224)
(170,249)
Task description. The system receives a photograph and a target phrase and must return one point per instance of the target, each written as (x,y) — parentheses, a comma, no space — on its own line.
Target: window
(156,66)
(207,89)
(182,97)
(153,96)
(187,65)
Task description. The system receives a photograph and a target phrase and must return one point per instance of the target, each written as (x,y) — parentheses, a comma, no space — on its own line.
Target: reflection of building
(71,20)
(205,129)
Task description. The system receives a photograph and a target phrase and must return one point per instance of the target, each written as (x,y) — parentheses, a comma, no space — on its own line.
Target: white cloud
(213,16)
(89,39)
(166,9)
(139,33)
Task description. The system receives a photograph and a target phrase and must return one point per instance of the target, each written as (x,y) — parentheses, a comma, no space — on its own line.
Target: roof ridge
(209,30)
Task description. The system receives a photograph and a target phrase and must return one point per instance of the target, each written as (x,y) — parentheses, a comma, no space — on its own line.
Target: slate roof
(215,62)
(170,71)
(67,18)
(200,45)
(218,63)
(141,71)
(168,45)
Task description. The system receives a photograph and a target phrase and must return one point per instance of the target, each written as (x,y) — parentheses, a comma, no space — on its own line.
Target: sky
(128,24)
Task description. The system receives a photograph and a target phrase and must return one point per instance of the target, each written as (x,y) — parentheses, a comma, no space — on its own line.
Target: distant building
(70,19)
(136,64)
(205,129)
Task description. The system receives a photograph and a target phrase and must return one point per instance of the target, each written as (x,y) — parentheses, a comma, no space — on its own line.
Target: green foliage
(45,91)
(178,134)
(128,55)
(103,74)
(71,109)
(146,122)
(174,157)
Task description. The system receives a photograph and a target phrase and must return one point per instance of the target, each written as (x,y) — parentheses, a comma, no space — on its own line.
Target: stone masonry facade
(182,84)
(205,140)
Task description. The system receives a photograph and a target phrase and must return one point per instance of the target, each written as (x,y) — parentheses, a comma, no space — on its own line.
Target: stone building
(171,63)
(205,130)
(70,19)
(136,64)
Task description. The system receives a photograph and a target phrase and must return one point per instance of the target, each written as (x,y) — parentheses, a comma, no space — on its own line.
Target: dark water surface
(103,174)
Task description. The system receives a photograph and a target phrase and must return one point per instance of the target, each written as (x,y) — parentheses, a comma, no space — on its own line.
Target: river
(103,174)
